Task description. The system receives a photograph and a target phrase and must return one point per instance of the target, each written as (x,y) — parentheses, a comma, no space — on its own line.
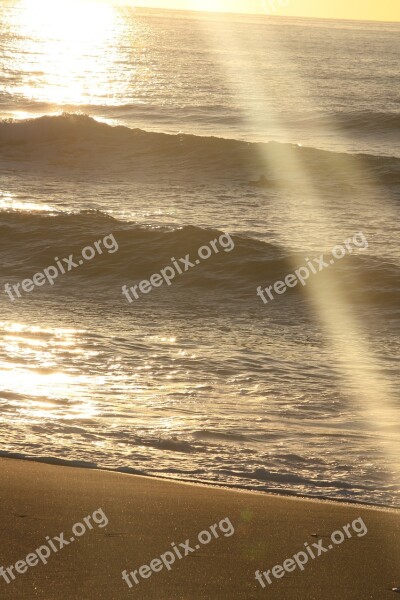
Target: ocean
(155,127)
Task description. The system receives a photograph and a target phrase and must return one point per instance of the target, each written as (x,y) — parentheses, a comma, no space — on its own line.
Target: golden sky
(375,10)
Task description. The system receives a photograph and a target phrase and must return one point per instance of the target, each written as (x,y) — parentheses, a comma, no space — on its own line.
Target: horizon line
(254,14)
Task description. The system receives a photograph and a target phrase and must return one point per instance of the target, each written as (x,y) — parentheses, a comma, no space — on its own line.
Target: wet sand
(146,515)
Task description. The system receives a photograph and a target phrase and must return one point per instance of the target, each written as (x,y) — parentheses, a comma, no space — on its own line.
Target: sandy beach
(146,515)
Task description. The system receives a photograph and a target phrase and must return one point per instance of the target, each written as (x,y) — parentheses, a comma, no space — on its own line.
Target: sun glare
(63,40)
(68,20)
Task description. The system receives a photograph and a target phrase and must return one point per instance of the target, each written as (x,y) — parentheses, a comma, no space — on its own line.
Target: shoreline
(59,462)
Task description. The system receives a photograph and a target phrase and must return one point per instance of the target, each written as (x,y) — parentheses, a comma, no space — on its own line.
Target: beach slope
(146,515)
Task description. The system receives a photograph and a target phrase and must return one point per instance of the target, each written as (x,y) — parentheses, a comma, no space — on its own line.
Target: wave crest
(78,141)
(144,251)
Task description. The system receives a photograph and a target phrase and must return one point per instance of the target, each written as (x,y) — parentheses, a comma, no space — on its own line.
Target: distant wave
(79,141)
(358,123)
(30,241)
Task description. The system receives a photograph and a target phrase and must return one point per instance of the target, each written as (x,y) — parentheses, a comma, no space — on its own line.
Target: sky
(374,10)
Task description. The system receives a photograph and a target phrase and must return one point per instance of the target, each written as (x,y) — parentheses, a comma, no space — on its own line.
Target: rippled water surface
(200,380)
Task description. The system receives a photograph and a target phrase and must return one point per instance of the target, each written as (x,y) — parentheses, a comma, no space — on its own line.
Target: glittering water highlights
(199,380)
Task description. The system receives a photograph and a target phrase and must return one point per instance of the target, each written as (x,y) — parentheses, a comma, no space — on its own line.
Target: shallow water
(200,380)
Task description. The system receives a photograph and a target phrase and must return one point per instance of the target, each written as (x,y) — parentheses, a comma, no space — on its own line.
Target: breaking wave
(79,141)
